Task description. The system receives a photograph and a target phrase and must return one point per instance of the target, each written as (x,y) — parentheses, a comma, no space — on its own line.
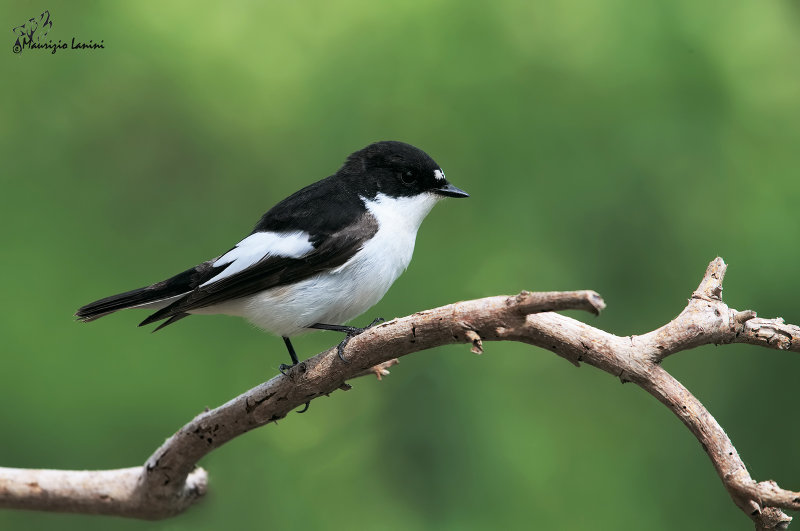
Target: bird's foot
(342,344)
(350,333)
(375,322)
(286,369)
(283,367)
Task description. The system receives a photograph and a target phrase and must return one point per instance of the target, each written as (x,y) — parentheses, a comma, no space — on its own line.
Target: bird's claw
(353,332)
(376,321)
(283,367)
(342,344)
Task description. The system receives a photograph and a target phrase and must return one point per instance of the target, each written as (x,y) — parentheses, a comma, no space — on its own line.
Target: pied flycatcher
(317,259)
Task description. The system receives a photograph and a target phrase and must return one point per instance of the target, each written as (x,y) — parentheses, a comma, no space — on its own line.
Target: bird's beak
(451,191)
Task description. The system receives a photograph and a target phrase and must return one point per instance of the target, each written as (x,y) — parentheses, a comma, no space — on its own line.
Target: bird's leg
(283,367)
(349,331)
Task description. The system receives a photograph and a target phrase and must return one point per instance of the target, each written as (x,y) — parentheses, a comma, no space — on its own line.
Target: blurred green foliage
(615,145)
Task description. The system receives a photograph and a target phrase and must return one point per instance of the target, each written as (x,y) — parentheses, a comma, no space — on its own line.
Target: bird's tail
(155,296)
(148,296)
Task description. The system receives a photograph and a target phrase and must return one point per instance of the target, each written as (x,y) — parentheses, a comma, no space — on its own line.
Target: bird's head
(397,169)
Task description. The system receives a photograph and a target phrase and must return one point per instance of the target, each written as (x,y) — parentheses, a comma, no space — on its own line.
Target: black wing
(274,271)
(321,209)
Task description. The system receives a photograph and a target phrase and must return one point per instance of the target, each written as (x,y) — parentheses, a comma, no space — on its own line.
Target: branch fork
(170,481)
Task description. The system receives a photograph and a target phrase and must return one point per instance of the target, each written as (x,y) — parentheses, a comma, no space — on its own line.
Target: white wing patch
(258,246)
(439,174)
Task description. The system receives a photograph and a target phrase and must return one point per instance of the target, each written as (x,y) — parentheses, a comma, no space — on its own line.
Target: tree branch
(170,482)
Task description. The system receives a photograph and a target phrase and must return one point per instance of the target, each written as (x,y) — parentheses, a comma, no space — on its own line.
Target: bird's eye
(408,177)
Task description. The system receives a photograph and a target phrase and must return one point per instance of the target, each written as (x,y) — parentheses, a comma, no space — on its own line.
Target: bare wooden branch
(169,482)
(115,492)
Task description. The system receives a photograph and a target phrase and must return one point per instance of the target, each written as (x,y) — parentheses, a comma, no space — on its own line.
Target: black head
(396,169)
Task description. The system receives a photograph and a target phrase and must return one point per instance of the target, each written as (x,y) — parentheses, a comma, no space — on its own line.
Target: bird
(317,259)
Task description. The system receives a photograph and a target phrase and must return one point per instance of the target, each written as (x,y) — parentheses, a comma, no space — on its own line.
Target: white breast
(348,291)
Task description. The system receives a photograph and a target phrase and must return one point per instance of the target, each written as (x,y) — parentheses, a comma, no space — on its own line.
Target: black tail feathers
(129,299)
(180,284)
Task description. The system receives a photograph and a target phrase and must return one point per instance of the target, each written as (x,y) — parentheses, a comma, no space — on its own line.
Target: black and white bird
(317,259)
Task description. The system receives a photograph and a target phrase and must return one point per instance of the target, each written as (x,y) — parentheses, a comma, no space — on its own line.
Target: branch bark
(170,482)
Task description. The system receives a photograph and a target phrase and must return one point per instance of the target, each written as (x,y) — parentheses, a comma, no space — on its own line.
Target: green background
(617,145)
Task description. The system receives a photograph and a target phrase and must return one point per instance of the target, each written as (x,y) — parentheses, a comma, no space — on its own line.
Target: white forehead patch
(439,174)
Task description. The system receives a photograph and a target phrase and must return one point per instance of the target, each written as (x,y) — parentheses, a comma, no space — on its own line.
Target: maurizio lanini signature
(33,33)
